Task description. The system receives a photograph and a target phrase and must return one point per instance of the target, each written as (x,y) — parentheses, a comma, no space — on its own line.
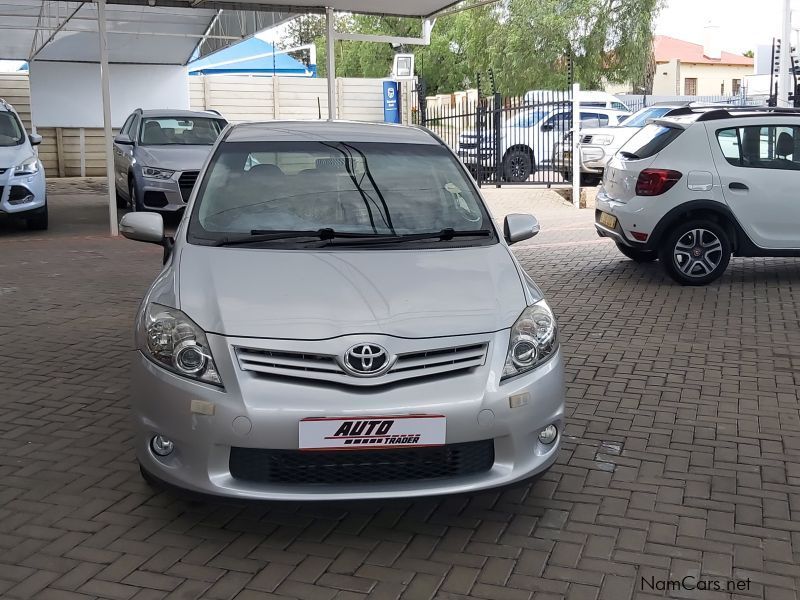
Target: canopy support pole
(330,39)
(112,192)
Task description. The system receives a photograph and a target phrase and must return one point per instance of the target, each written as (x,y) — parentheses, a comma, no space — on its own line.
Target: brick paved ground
(681,456)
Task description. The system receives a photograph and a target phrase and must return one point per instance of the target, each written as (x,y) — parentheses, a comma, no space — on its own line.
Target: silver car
(158,155)
(338,317)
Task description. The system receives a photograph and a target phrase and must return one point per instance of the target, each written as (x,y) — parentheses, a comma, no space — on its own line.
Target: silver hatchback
(338,317)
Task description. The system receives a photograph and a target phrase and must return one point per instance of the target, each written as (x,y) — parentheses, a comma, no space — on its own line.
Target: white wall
(68,94)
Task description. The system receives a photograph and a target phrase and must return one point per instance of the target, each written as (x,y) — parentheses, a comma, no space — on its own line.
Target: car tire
(133,197)
(37,221)
(121,202)
(517,166)
(590,180)
(696,253)
(637,255)
(567,175)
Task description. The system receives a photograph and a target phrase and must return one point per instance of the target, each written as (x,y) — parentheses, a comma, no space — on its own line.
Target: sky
(743,24)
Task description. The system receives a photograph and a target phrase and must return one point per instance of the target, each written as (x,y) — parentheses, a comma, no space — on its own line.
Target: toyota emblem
(366,360)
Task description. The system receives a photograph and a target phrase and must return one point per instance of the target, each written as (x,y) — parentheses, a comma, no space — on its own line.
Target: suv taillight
(654,182)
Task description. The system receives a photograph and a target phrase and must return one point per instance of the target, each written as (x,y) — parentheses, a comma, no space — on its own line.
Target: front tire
(637,255)
(37,221)
(517,165)
(136,205)
(696,253)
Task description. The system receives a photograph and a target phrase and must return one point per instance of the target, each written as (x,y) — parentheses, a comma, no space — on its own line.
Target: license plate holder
(608,220)
(369,433)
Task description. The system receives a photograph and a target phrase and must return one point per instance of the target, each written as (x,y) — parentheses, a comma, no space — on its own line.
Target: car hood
(298,294)
(175,158)
(11,156)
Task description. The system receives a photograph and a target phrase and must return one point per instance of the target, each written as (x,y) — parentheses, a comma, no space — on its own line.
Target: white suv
(527,137)
(693,188)
(22,183)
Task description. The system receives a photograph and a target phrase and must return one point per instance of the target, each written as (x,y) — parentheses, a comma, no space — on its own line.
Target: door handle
(736,185)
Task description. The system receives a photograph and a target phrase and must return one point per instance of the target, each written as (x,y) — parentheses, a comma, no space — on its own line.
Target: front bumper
(254,411)
(21,194)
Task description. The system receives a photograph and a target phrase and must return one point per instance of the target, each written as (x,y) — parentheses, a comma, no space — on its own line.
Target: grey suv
(339,317)
(158,154)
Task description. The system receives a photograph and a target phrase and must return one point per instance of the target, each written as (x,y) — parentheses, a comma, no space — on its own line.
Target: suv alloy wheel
(696,253)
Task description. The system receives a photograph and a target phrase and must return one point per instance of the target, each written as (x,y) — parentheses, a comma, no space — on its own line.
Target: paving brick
(680,448)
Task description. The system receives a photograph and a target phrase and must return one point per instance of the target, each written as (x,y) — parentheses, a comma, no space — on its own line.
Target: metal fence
(636,102)
(506,140)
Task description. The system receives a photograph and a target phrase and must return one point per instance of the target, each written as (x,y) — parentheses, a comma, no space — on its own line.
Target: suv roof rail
(214,110)
(713,113)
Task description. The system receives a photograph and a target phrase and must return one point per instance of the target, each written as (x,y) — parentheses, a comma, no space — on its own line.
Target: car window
(640,118)
(648,141)
(619,106)
(11,131)
(170,131)
(527,117)
(126,127)
(560,121)
(363,188)
(596,119)
(773,147)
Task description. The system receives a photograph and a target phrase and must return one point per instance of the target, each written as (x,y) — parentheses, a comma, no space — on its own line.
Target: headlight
(153,173)
(29,166)
(171,339)
(602,140)
(534,339)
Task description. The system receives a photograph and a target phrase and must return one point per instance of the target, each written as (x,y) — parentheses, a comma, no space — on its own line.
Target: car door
(122,156)
(551,130)
(759,171)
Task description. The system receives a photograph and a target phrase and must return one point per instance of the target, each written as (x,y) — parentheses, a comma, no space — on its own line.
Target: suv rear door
(759,170)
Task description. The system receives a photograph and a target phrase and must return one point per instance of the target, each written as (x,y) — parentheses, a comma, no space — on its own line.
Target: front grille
(587,139)
(186,183)
(361,466)
(326,367)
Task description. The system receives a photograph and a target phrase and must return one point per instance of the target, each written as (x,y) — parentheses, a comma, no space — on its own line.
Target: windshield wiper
(258,236)
(629,155)
(445,235)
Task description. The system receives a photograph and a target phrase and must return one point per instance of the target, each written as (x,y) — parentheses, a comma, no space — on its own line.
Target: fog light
(163,446)
(548,435)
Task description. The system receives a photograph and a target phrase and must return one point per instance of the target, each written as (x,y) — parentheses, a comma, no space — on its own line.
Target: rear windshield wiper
(629,155)
(258,236)
(445,235)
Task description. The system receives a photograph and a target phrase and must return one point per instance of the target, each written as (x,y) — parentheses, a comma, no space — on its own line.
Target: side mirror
(123,139)
(35,139)
(143,227)
(547,127)
(517,228)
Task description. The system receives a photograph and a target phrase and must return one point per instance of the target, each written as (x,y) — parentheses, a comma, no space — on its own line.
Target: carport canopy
(168,32)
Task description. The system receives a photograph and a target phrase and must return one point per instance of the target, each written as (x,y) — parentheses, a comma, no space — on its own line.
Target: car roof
(691,114)
(329,131)
(166,113)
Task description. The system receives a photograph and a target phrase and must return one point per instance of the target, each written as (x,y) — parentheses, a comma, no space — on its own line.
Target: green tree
(749,54)
(526,43)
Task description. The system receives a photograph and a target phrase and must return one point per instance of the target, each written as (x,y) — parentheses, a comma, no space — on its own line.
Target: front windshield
(11,132)
(180,131)
(355,188)
(640,118)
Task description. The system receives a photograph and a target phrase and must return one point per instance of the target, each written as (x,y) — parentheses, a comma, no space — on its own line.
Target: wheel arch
(524,148)
(698,209)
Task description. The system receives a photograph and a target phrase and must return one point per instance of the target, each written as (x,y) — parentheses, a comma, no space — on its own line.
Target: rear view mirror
(519,227)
